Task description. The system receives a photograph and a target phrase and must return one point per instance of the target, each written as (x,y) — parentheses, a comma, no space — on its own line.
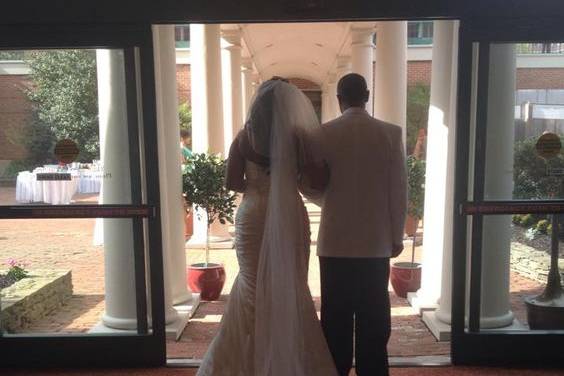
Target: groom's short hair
(352,89)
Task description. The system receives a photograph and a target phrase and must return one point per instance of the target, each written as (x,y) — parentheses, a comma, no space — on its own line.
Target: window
(420,32)
(182,36)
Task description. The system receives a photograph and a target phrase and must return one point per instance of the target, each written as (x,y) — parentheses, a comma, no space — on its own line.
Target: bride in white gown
(270,327)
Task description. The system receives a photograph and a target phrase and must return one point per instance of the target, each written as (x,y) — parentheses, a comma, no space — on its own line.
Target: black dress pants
(355,302)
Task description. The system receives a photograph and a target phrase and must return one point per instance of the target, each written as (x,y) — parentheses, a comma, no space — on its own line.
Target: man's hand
(396,250)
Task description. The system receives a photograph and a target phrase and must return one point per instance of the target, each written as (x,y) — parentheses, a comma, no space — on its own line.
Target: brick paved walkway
(67,244)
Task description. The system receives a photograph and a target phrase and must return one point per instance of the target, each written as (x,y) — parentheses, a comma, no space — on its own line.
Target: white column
(119,270)
(343,68)
(247,85)
(325,104)
(496,311)
(439,159)
(390,81)
(207,105)
(495,307)
(333,103)
(232,87)
(362,57)
(170,176)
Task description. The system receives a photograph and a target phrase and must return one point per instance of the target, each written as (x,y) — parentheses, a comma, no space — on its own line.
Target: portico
(227,63)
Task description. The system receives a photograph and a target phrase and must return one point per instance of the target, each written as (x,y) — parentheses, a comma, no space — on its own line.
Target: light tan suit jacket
(365,202)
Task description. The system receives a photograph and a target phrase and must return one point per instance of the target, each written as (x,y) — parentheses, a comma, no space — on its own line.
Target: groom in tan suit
(362,223)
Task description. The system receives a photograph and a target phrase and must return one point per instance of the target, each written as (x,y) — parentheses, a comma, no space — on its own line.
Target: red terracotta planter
(207,280)
(405,277)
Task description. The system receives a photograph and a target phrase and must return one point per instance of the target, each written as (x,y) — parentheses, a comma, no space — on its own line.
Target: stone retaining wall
(532,263)
(33,298)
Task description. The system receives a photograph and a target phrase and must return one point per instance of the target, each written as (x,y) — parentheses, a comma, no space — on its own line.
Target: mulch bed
(541,242)
(6,281)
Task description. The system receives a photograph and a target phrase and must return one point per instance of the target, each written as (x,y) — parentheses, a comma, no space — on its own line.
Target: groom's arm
(397,191)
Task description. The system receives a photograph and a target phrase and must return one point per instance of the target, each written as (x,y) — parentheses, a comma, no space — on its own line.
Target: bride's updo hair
(259,121)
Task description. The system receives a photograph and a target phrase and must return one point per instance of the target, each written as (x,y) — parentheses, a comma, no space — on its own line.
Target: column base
(118,323)
(171,315)
(439,329)
(442,330)
(174,329)
(185,297)
(420,303)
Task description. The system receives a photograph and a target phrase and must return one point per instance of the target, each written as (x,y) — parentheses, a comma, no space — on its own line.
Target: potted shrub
(203,186)
(406,276)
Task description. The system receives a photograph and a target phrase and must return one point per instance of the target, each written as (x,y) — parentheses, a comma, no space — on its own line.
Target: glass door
(80,243)
(508,302)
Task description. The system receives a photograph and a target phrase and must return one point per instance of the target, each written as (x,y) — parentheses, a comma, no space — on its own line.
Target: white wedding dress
(270,327)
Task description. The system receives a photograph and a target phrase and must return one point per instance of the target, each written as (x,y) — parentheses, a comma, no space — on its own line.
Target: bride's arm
(235,176)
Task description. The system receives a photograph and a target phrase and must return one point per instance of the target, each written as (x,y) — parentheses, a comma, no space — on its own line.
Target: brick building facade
(15,112)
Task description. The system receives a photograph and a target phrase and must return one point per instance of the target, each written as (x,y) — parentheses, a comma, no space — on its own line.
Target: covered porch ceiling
(296,50)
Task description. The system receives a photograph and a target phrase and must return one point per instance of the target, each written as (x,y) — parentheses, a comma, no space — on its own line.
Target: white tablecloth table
(56,192)
(89,181)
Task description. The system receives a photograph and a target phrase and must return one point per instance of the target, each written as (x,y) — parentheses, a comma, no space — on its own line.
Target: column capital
(231,38)
(362,34)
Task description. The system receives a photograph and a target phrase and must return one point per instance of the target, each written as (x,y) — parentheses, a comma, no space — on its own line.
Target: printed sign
(66,151)
(555,171)
(548,145)
(512,208)
(53,176)
(79,211)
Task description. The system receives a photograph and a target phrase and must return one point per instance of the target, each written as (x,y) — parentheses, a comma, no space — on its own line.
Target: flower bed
(6,280)
(530,256)
(33,297)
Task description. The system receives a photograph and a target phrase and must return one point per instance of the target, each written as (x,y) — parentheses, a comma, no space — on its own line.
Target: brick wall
(15,111)
(183,82)
(418,72)
(540,78)
(527,78)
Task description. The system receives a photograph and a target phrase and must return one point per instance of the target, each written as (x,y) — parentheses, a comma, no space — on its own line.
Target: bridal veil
(288,335)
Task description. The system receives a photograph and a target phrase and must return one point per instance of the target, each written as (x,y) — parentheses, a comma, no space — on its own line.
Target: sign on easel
(548,145)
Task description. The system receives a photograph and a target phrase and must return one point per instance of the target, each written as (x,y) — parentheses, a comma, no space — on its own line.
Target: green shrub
(417,112)
(416,186)
(185,117)
(527,220)
(516,219)
(17,270)
(542,226)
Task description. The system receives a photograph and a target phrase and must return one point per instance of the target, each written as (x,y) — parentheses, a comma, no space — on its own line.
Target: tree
(185,117)
(65,98)
(530,173)
(417,112)
(203,185)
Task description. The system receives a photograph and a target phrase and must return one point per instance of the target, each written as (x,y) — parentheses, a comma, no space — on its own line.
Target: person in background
(185,145)
(185,141)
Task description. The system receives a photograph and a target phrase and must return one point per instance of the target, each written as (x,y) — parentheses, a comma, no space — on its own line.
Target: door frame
(469,345)
(95,350)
